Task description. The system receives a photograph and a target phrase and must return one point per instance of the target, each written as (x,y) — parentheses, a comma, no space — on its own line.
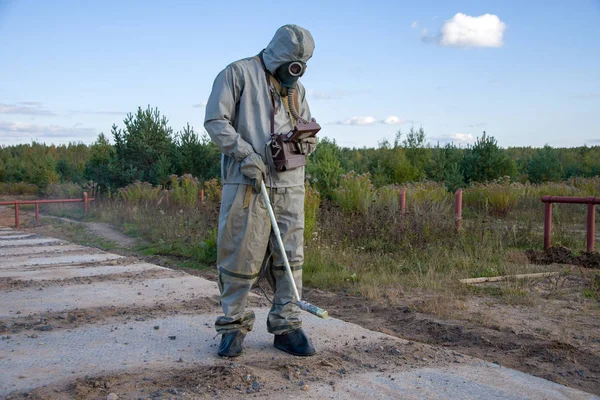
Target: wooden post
(547,225)
(37,213)
(403,201)
(17,225)
(202,196)
(591,226)
(85,202)
(458,210)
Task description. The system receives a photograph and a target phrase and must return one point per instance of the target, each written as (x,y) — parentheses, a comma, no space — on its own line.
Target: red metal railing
(591,217)
(458,209)
(458,202)
(85,200)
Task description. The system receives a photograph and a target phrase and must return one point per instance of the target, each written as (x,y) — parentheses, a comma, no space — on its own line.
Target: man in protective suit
(248,103)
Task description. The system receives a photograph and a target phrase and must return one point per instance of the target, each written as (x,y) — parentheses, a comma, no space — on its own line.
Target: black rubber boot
(295,342)
(231,344)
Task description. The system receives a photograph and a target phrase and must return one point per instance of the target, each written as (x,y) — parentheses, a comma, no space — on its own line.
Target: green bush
(355,192)
(18,189)
(141,192)
(426,193)
(492,198)
(184,191)
(213,191)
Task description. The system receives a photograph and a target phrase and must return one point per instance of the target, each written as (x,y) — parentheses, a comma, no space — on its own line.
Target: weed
(593,291)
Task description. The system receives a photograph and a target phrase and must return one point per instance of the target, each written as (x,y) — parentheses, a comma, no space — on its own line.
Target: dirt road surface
(77,322)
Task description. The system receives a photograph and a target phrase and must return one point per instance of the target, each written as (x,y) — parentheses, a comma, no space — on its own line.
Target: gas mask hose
(290,98)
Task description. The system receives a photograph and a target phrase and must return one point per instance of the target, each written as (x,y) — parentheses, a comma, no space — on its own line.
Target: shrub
(355,192)
(587,186)
(141,192)
(184,190)
(388,197)
(213,191)
(18,188)
(426,193)
(312,200)
(493,198)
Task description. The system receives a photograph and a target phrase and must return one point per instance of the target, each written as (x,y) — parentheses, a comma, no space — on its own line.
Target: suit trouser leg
(284,316)
(243,236)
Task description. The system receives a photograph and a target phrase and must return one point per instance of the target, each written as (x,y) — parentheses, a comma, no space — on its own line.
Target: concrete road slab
(58,273)
(17,236)
(114,348)
(99,294)
(54,259)
(28,242)
(29,250)
(9,232)
(480,380)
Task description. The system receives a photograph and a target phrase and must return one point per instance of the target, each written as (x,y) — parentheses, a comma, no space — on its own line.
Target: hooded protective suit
(238,119)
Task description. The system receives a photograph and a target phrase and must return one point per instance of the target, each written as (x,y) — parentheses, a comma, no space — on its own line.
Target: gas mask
(286,148)
(289,73)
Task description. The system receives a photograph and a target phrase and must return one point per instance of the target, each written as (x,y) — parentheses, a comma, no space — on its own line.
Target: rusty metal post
(85,202)
(458,209)
(202,196)
(403,201)
(547,225)
(17,225)
(591,226)
(37,213)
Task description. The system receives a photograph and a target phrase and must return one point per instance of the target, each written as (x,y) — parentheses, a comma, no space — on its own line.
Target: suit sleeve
(304,108)
(220,114)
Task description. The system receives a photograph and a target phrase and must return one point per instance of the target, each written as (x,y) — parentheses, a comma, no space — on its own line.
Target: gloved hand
(308,145)
(254,168)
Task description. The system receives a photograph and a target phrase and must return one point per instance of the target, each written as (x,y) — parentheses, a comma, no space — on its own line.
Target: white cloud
(455,137)
(25,108)
(467,31)
(414,25)
(393,120)
(362,121)
(200,105)
(358,121)
(23,131)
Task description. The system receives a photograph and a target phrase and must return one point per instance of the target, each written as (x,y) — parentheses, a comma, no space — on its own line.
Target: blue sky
(528,73)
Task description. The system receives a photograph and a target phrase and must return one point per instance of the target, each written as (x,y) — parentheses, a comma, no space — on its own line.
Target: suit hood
(290,43)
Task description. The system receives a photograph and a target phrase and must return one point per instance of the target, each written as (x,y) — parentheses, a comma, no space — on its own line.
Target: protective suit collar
(290,43)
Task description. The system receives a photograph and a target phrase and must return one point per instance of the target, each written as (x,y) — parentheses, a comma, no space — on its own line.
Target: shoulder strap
(273,85)
(270,88)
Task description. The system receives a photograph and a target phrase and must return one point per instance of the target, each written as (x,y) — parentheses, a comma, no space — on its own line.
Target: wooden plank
(507,277)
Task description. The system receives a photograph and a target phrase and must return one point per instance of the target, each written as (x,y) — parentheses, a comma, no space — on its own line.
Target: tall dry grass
(360,242)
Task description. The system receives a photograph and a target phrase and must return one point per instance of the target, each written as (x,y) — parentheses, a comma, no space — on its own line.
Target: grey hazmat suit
(238,120)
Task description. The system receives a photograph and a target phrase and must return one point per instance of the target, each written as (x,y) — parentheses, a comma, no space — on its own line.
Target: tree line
(147,149)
